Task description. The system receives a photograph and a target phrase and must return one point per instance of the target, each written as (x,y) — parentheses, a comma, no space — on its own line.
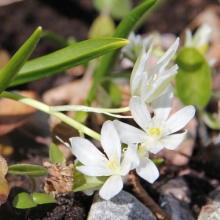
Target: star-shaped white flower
(149,82)
(96,163)
(157,131)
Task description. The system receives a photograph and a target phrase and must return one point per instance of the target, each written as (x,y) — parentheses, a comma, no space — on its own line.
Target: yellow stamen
(155,131)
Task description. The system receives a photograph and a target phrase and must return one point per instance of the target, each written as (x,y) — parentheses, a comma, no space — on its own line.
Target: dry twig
(142,195)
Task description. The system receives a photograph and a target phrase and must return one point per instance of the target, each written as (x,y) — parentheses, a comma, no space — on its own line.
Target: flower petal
(179,119)
(163,104)
(165,59)
(188,38)
(159,85)
(110,141)
(154,146)
(86,152)
(147,170)
(140,69)
(129,134)
(139,112)
(171,142)
(130,157)
(111,187)
(94,171)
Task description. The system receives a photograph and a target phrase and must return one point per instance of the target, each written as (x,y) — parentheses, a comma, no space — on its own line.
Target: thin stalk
(83,108)
(45,108)
(34,186)
(89,109)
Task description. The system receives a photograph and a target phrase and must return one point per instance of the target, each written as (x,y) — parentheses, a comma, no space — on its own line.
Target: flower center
(113,164)
(142,149)
(155,131)
(151,81)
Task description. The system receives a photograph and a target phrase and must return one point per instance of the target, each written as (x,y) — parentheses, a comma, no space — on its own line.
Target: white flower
(96,163)
(146,169)
(157,131)
(201,38)
(150,82)
(133,48)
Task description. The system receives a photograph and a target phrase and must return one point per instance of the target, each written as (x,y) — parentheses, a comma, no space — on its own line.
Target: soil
(73,18)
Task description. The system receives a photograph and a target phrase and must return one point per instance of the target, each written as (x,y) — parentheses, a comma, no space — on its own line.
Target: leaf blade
(12,68)
(27,169)
(66,58)
(56,155)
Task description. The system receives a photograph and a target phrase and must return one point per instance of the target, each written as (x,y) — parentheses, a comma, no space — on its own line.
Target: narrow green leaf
(18,60)
(42,198)
(123,30)
(23,201)
(66,58)
(27,169)
(56,155)
(193,81)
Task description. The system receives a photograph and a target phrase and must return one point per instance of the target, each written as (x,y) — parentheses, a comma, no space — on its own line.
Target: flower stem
(107,111)
(45,108)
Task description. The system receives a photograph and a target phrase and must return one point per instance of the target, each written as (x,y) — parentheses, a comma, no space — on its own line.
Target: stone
(124,206)
(175,209)
(210,211)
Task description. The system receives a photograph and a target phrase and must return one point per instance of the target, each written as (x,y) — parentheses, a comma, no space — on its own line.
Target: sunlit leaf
(42,198)
(193,81)
(23,201)
(66,58)
(83,182)
(117,9)
(27,169)
(102,26)
(4,187)
(18,60)
(56,155)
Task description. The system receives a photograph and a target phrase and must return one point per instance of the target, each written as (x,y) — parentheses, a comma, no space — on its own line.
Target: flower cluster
(148,85)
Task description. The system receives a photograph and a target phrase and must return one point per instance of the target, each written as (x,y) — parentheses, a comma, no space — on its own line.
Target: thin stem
(85,108)
(34,187)
(45,108)
(91,109)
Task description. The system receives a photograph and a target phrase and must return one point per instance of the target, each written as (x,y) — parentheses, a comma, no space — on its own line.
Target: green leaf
(23,201)
(56,155)
(28,170)
(123,30)
(108,94)
(120,8)
(211,121)
(83,182)
(158,161)
(42,198)
(66,58)
(193,81)
(12,68)
(117,9)
(57,39)
(102,26)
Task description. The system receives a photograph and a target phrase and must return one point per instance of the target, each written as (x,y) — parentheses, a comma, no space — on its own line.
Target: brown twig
(142,195)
